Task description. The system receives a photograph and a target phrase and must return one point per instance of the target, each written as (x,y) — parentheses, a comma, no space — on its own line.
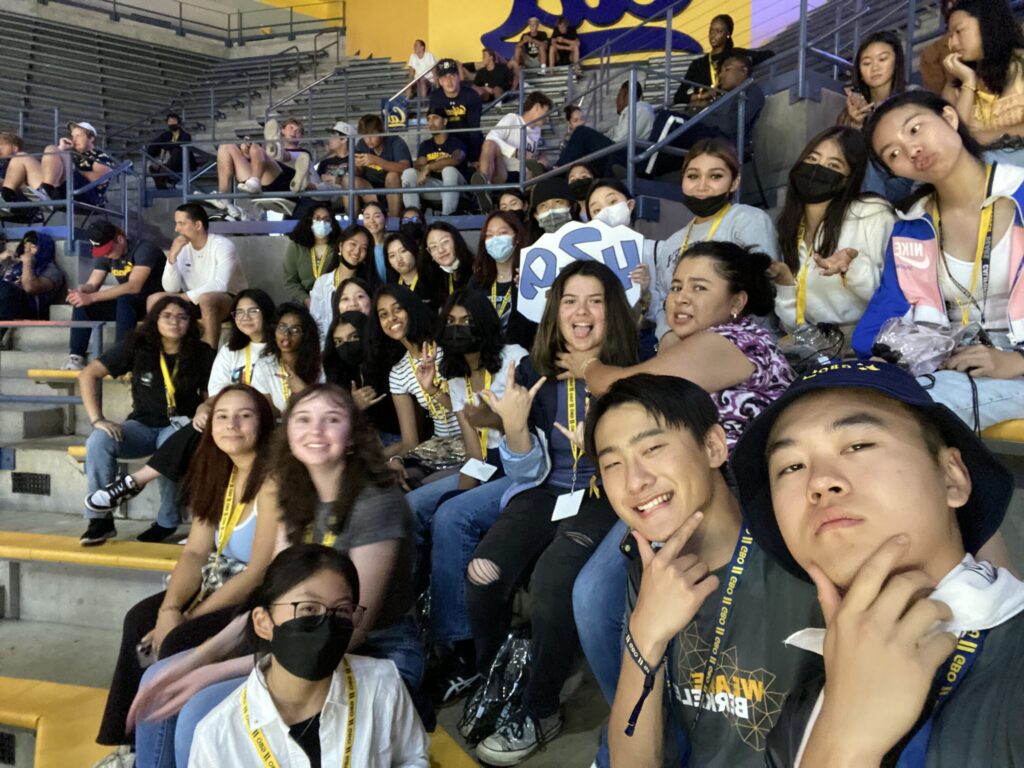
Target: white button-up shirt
(388,731)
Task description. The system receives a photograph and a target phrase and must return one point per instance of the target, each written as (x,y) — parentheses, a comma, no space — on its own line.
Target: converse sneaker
(251,185)
(74,363)
(301,177)
(518,737)
(113,495)
(100,529)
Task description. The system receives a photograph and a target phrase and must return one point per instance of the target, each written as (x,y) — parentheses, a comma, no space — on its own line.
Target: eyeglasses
(289,330)
(311,609)
(440,245)
(240,314)
(173,317)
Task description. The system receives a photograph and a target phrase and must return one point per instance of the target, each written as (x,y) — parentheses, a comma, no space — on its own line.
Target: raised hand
(575,436)
(882,650)
(365,397)
(426,368)
(673,588)
(513,407)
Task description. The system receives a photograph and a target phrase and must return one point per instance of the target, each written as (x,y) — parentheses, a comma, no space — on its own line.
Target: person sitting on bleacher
(235,520)
(291,361)
(408,266)
(353,246)
(532,48)
(420,60)
(704,69)
(170,366)
(30,279)
(87,165)
(584,140)
(514,140)
(333,167)
(493,79)
(440,162)
(461,105)
(450,254)
(381,160)
(565,46)
(580,178)
(166,153)
(17,170)
(201,268)
(953,257)
(137,265)
(312,251)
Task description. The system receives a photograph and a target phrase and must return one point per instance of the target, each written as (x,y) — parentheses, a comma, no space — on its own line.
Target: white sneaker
(517,737)
(222,204)
(74,363)
(122,757)
(234,213)
(301,176)
(251,185)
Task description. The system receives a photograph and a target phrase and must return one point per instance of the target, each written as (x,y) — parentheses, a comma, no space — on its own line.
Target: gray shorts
(531,62)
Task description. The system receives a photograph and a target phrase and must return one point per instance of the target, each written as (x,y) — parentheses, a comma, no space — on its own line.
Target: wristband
(649,675)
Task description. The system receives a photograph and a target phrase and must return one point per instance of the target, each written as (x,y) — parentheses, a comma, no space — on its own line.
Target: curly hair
(145,340)
(302,234)
(487,325)
(307,366)
(364,466)
(268,316)
(210,468)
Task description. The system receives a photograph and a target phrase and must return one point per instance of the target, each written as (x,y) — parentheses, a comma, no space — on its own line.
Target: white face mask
(451,269)
(321,228)
(615,215)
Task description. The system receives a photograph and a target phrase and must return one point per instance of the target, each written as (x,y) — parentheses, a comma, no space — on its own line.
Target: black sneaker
(111,496)
(454,679)
(483,199)
(156,533)
(100,529)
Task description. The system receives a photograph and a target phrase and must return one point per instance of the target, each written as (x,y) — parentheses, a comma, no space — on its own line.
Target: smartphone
(145,655)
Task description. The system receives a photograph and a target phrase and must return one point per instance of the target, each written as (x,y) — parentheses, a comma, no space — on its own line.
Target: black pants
(126,310)
(15,304)
(585,140)
(173,457)
(139,620)
(522,542)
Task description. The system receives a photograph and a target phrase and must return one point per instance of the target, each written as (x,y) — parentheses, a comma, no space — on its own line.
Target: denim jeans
(998,399)
(457,527)
(124,310)
(154,740)
(599,607)
(102,453)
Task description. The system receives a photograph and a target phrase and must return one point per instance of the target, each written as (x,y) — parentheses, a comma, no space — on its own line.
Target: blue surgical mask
(321,228)
(500,248)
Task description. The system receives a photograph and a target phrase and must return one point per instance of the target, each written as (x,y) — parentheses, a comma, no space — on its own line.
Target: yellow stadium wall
(453,27)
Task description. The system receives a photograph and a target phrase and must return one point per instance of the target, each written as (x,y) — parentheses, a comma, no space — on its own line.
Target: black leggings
(522,542)
(139,620)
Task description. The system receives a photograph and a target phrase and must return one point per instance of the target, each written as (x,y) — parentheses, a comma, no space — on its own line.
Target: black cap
(991,482)
(102,234)
(447,67)
(556,187)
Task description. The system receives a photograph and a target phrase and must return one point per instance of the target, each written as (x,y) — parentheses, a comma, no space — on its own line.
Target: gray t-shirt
(379,514)
(755,671)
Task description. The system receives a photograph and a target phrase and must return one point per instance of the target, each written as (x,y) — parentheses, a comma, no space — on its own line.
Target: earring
(735,314)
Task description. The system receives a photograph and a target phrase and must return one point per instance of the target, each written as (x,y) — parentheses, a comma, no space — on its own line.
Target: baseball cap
(343,128)
(991,482)
(83,125)
(447,67)
(437,111)
(102,235)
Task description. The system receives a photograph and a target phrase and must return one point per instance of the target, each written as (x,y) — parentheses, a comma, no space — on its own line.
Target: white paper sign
(568,505)
(478,470)
(618,248)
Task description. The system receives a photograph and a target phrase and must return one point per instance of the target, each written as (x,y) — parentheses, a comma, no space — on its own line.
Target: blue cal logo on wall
(607,13)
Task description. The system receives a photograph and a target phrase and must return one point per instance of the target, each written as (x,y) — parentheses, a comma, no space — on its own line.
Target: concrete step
(51,339)
(20,421)
(39,476)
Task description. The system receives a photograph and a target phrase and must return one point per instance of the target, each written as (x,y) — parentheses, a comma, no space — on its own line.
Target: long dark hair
(268,318)
(742,268)
(210,468)
(302,234)
(609,183)
(719,148)
(384,351)
(422,271)
(307,364)
(487,326)
(484,269)
(364,465)
(291,567)
(461,250)
(146,341)
(899,74)
(336,296)
(335,371)
(928,101)
(855,152)
(366,271)
(621,343)
(1001,39)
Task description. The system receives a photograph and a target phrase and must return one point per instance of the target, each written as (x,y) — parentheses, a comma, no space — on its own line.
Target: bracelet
(170,608)
(649,675)
(396,456)
(583,369)
(969,87)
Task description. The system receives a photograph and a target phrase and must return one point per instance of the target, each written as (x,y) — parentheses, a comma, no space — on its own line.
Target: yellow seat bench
(45,547)
(1010,431)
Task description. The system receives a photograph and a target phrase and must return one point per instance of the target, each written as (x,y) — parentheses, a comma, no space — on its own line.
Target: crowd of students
(767,552)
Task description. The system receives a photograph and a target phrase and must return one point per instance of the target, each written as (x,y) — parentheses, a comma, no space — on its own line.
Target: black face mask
(460,339)
(580,187)
(816,183)
(350,353)
(705,206)
(310,651)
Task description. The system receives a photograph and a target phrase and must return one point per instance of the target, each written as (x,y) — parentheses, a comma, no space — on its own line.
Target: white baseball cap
(83,125)
(345,129)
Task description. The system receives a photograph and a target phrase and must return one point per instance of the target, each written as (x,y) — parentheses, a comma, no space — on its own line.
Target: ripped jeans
(522,536)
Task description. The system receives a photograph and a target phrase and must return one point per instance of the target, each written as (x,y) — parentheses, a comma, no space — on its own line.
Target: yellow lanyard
(337,277)
(229,515)
(985,225)
(714,75)
(169,377)
(285,390)
(247,373)
(437,412)
(801,278)
(711,232)
(411,286)
(319,261)
(267,759)
(571,423)
(451,283)
(504,301)
(469,398)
